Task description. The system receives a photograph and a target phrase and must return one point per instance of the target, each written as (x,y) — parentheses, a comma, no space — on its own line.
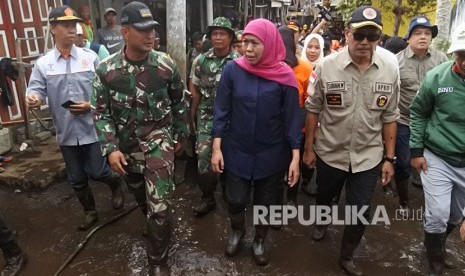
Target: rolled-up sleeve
(392,113)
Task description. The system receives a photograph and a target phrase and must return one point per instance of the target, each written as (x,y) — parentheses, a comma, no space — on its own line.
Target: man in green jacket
(437,146)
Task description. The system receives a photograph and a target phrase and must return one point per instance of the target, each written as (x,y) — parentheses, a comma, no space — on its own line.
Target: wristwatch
(389,159)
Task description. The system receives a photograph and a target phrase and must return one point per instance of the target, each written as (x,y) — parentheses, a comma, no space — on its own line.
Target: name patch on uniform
(383,87)
(334,99)
(445,90)
(336,86)
(381,101)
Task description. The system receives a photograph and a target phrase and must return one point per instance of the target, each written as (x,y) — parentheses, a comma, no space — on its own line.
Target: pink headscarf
(271,65)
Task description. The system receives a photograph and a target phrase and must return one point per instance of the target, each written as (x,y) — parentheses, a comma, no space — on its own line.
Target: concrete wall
(176,33)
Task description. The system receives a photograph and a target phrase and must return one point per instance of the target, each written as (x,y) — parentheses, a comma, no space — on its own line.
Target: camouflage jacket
(139,109)
(207,73)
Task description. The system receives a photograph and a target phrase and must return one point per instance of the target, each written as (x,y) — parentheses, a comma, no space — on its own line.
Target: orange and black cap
(62,13)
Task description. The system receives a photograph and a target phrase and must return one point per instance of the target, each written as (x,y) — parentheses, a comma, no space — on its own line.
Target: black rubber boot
(350,240)
(87,201)
(159,232)
(15,260)
(191,174)
(207,184)
(435,251)
(136,186)
(259,251)
(238,230)
(117,198)
(449,261)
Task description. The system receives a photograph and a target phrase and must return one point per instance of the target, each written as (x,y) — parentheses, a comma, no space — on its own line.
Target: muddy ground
(46,225)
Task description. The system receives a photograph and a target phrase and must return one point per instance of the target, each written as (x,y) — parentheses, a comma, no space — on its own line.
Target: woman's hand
(294,173)
(217,161)
(294,168)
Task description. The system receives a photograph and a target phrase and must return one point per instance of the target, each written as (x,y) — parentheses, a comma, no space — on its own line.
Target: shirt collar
(73,53)
(456,70)
(211,54)
(410,52)
(151,59)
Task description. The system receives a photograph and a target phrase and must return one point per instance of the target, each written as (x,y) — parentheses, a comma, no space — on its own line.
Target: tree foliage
(402,9)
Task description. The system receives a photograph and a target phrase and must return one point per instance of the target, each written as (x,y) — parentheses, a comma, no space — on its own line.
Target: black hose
(91,233)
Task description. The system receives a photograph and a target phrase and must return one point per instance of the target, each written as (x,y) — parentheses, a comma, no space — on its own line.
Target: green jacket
(437,116)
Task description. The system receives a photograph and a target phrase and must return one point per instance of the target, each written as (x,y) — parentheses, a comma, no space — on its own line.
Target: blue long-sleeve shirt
(258,121)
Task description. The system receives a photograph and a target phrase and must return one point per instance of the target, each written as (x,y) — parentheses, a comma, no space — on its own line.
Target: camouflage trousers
(203,148)
(150,180)
(152,190)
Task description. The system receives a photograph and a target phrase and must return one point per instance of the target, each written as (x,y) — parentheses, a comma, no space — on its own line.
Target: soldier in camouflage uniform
(138,112)
(207,72)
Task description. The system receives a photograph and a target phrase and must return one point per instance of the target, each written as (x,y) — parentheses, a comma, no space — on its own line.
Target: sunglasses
(370,37)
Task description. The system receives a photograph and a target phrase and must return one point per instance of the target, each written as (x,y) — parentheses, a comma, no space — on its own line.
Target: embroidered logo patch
(68,12)
(145,13)
(381,101)
(369,13)
(85,64)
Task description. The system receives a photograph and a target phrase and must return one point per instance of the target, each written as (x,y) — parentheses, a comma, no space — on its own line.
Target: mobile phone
(67,103)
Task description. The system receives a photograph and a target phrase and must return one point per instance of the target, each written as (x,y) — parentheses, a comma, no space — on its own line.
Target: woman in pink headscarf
(256,130)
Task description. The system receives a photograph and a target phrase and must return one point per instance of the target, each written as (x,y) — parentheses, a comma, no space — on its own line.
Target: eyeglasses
(370,37)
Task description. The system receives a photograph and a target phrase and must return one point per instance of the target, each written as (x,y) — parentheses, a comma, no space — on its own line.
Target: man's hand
(309,158)
(79,108)
(33,101)
(117,162)
(419,164)
(387,172)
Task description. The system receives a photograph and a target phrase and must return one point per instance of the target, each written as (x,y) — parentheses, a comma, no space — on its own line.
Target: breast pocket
(81,86)
(380,96)
(153,94)
(121,107)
